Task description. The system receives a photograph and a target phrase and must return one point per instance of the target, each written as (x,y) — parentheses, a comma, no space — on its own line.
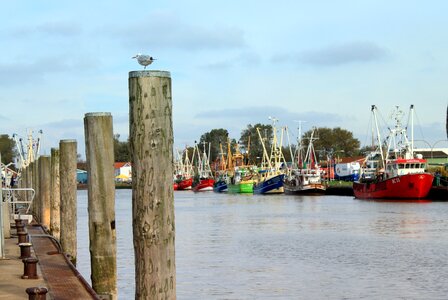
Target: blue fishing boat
(220,186)
(271,185)
(272,172)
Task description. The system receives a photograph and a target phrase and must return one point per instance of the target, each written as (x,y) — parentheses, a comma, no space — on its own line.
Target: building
(81,176)
(123,171)
(434,156)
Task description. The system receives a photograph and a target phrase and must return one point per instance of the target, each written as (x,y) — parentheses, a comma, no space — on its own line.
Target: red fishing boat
(396,172)
(205,184)
(183,170)
(184,183)
(203,179)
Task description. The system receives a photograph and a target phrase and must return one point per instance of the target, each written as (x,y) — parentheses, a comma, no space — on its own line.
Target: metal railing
(19,199)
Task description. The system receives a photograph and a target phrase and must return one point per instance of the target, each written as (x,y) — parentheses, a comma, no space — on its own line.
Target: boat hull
(410,186)
(204,185)
(272,185)
(309,189)
(220,187)
(184,184)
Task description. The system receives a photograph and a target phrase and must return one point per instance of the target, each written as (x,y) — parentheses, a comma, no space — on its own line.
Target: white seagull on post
(144,60)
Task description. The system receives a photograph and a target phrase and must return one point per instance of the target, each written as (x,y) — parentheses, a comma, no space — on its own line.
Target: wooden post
(44,190)
(151,143)
(55,195)
(36,190)
(67,177)
(99,140)
(29,183)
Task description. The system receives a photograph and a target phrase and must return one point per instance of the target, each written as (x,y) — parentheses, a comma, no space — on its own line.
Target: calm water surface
(292,247)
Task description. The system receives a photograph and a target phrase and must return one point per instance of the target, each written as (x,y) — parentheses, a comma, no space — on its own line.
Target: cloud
(261,113)
(336,55)
(59,29)
(35,71)
(246,59)
(166,31)
(4,118)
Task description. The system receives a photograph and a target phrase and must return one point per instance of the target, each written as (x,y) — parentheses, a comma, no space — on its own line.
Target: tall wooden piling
(35,205)
(29,182)
(151,142)
(44,190)
(101,203)
(67,177)
(55,195)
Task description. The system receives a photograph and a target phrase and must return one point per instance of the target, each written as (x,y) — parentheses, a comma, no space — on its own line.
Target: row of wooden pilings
(151,140)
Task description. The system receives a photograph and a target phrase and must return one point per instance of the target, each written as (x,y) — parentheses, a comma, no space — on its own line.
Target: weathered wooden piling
(35,204)
(55,195)
(101,203)
(67,177)
(151,142)
(28,182)
(44,190)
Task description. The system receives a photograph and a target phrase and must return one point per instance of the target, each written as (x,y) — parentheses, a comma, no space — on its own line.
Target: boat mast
(378,134)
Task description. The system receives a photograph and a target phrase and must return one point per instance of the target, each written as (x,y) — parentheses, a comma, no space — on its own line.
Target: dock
(55,272)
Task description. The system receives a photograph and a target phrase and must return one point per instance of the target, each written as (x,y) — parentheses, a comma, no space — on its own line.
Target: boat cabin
(400,167)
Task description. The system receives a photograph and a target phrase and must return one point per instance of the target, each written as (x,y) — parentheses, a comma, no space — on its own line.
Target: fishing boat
(271,174)
(183,168)
(203,179)
(234,176)
(305,175)
(394,171)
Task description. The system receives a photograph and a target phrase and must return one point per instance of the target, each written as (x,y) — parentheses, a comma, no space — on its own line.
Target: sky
(232,63)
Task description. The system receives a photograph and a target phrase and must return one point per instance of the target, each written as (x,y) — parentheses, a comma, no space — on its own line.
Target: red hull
(204,185)
(175,186)
(411,186)
(185,184)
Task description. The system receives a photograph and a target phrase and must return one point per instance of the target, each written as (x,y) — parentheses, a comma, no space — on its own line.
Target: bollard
(25,250)
(30,268)
(20,227)
(19,221)
(22,237)
(37,293)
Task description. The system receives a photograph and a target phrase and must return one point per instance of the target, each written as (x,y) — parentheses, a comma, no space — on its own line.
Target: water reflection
(292,247)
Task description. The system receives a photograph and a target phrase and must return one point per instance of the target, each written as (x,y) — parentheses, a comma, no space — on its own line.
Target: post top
(98,114)
(67,141)
(149,73)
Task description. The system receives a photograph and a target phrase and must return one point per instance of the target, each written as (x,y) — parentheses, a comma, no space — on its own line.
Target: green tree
(121,150)
(251,142)
(333,139)
(7,149)
(215,137)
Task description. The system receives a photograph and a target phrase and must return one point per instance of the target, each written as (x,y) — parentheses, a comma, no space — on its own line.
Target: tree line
(330,141)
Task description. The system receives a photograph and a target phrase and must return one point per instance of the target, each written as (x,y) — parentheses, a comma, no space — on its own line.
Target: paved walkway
(12,286)
(55,272)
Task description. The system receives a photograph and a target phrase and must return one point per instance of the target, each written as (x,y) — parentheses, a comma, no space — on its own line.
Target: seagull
(144,60)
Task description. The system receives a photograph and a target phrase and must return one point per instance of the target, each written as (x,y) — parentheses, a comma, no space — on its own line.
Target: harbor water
(231,246)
